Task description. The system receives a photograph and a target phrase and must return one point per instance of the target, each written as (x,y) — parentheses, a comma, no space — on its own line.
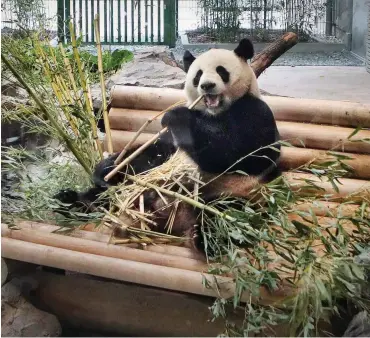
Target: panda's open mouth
(213,101)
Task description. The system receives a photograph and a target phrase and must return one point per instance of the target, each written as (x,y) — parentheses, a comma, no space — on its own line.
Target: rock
(12,95)
(151,67)
(19,318)
(359,326)
(4,271)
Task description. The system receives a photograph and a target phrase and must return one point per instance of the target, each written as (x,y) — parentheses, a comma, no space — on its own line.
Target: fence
(263,20)
(121,21)
(159,21)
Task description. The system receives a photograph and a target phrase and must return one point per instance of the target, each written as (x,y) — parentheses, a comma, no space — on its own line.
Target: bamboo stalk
(143,241)
(349,114)
(101,249)
(70,74)
(141,129)
(56,88)
(53,122)
(102,85)
(186,199)
(143,147)
(84,86)
(133,272)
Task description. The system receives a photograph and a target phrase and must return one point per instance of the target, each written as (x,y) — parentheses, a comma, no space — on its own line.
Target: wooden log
(104,238)
(327,224)
(126,310)
(341,113)
(133,119)
(22,224)
(133,272)
(324,137)
(291,157)
(329,112)
(102,249)
(329,209)
(121,138)
(346,186)
(145,98)
(299,134)
(268,55)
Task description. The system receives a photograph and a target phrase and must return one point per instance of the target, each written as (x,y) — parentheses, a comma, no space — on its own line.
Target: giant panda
(229,132)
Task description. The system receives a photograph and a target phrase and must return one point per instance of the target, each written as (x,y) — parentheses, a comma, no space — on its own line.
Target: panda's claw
(176,117)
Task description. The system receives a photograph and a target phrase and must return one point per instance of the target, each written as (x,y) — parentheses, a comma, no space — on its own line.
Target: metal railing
(159,21)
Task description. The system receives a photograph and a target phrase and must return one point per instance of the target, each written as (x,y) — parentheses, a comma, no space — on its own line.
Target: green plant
(268,227)
(36,177)
(112,61)
(27,13)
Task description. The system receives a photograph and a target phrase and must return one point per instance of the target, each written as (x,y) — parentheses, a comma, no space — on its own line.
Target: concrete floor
(331,83)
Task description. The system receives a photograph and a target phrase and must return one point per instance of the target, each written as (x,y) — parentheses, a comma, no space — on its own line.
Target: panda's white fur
(231,91)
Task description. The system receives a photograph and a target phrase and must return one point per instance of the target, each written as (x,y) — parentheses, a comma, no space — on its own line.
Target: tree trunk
(268,55)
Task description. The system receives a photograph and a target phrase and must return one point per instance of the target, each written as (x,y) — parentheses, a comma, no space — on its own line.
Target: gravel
(342,58)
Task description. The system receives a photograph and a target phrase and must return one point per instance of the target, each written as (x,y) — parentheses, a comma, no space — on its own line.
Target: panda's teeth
(212,101)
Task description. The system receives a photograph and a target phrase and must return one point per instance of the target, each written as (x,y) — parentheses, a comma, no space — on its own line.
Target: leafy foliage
(33,178)
(272,245)
(112,61)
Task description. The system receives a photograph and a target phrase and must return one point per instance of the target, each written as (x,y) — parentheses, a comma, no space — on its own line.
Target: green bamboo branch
(102,85)
(70,74)
(84,85)
(53,121)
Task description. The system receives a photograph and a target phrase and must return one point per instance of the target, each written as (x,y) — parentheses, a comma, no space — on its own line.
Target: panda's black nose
(208,85)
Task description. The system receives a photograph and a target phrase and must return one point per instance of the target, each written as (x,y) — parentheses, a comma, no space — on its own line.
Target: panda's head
(221,75)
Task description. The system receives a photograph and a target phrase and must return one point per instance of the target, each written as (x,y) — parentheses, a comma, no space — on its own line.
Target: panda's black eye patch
(224,74)
(197,78)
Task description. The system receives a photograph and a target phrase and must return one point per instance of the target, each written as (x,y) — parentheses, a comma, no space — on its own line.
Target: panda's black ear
(188,60)
(245,49)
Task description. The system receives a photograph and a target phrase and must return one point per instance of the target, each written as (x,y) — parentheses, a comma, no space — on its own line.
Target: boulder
(151,67)
(4,271)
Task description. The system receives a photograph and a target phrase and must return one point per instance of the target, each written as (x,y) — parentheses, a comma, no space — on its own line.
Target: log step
(298,134)
(340,113)
(291,157)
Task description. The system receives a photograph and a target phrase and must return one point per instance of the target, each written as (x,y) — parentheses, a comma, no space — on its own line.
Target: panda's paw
(197,238)
(67,196)
(176,117)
